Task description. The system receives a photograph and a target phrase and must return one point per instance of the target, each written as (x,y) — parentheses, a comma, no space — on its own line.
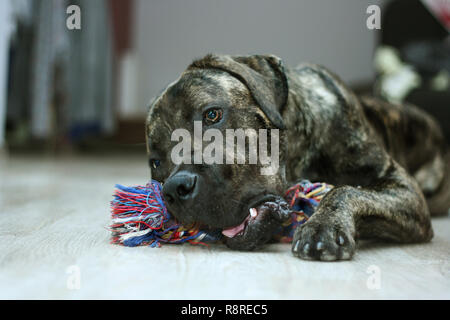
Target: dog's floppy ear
(263,75)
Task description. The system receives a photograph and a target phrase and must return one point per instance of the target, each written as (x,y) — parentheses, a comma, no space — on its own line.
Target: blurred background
(72,109)
(68,91)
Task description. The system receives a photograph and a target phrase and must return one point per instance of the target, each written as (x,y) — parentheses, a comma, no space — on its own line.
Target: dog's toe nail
(319,246)
(306,248)
(341,240)
(296,246)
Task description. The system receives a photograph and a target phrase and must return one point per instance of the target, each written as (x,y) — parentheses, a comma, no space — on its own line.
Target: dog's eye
(154,163)
(212,116)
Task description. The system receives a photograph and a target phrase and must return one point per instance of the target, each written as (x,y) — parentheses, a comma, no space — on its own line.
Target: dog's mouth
(254,210)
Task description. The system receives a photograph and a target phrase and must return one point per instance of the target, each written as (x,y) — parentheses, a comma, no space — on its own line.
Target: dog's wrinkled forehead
(197,88)
(207,86)
(192,92)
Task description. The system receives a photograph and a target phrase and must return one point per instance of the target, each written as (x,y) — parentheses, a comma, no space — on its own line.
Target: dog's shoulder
(318,84)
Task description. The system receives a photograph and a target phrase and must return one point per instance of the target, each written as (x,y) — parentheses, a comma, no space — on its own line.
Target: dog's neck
(308,118)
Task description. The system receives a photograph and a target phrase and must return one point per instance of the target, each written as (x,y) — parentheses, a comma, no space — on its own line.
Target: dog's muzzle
(181,189)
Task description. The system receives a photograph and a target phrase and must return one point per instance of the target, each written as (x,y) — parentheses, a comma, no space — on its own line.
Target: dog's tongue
(232,232)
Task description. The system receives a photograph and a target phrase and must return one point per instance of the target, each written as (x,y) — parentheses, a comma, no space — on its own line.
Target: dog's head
(191,120)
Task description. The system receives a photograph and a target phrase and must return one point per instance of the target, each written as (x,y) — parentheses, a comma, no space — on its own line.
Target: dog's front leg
(393,209)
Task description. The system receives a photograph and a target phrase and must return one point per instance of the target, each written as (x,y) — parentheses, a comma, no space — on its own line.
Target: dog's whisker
(237,201)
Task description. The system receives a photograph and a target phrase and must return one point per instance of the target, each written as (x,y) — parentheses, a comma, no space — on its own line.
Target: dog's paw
(323,240)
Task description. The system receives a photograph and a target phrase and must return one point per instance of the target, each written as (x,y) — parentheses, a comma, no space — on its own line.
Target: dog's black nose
(180,187)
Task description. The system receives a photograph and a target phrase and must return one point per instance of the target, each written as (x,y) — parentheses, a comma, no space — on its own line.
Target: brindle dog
(386,161)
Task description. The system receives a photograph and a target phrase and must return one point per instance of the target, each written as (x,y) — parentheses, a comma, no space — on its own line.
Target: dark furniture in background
(424,43)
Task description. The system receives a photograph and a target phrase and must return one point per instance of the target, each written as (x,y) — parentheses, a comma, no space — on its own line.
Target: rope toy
(140,217)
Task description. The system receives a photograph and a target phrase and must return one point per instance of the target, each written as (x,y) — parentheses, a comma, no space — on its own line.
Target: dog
(388,162)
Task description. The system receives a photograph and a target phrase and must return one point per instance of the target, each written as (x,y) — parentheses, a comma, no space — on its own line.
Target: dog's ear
(263,75)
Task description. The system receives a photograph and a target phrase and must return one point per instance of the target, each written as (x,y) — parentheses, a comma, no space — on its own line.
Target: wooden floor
(54,243)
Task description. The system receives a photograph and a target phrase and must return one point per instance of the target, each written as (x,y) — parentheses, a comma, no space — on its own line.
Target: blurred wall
(169,34)
(5,30)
